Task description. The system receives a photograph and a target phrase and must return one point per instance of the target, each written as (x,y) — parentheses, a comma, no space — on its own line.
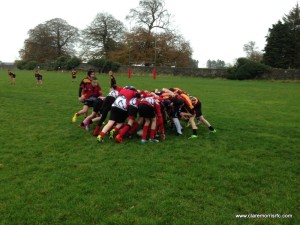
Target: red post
(154,73)
(129,73)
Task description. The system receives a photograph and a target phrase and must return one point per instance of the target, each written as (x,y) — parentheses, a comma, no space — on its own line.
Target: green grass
(53,172)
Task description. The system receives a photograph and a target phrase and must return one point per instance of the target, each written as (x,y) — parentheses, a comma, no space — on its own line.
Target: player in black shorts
(104,110)
(132,110)
(146,111)
(38,78)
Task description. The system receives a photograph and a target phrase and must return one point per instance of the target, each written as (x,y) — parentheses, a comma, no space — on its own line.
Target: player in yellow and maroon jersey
(12,77)
(89,95)
(85,81)
(191,110)
(198,114)
(38,78)
(193,106)
(73,73)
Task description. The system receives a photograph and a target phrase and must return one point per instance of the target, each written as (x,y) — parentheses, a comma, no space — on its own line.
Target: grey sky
(216,29)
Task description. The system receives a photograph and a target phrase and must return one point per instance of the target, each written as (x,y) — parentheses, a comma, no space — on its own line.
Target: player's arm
(81,86)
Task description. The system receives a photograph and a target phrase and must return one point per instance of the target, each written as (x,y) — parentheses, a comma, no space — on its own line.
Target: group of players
(38,77)
(131,108)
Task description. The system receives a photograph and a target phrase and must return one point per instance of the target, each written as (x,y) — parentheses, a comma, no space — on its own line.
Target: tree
(164,49)
(140,46)
(173,50)
(279,50)
(246,69)
(73,62)
(212,64)
(104,65)
(150,14)
(38,46)
(293,20)
(49,41)
(283,42)
(60,63)
(252,51)
(149,46)
(104,35)
(20,64)
(64,36)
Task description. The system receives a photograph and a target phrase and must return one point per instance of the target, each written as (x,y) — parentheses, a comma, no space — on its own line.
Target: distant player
(12,77)
(73,73)
(38,78)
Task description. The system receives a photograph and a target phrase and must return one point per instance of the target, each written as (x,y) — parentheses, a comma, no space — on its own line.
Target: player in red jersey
(89,95)
(132,114)
(118,112)
(147,110)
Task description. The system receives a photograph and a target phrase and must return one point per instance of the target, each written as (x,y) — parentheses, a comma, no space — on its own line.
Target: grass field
(53,172)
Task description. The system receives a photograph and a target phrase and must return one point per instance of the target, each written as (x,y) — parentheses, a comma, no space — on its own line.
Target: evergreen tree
(279,51)
(213,64)
(293,20)
(283,42)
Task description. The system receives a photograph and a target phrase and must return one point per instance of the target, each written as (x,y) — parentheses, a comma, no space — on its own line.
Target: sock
(96,131)
(211,128)
(195,132)
(145,131)
(124,130)
(102,134)
(133,128)
(177,125)
(152,133)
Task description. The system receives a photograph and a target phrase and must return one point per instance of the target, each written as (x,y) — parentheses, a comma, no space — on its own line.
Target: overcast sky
(216,29)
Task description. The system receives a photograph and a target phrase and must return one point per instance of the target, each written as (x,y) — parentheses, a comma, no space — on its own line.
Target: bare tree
(150,13)
(104,35)
(64,35)
(252,51)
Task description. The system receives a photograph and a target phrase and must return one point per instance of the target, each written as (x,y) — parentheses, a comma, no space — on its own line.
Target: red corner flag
(129,72)
(154,73)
